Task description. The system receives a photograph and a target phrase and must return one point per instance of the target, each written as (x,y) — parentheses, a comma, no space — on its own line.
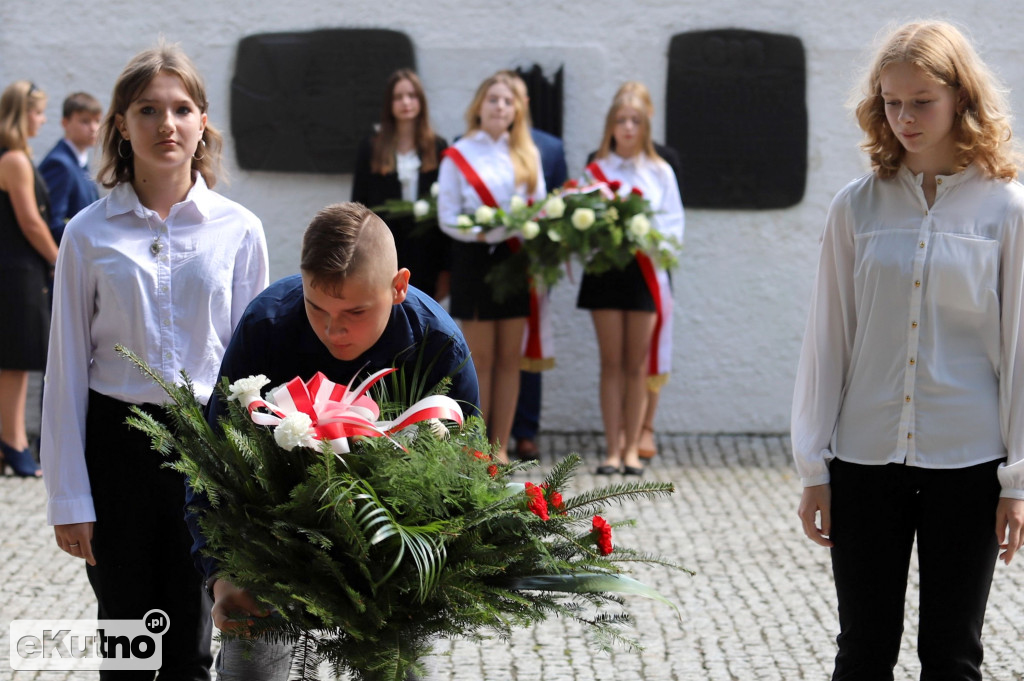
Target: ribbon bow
(338,412)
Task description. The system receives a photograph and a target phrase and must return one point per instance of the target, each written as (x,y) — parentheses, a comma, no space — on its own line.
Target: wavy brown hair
(385,142)
(136,77)
(981,125)
(15,102)
(525,157)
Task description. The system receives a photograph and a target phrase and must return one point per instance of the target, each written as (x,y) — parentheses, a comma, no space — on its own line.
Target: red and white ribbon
(338,412)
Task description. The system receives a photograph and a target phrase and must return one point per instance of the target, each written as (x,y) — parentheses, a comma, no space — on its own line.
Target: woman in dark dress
(400,162)
(28,253)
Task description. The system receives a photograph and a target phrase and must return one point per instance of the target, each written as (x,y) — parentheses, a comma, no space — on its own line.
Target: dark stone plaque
(736,111)
(301,102)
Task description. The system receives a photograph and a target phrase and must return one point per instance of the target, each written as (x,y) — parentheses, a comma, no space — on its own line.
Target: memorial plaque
(301,102)
(736,112)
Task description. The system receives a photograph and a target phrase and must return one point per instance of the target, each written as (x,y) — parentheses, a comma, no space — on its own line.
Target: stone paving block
(761,606)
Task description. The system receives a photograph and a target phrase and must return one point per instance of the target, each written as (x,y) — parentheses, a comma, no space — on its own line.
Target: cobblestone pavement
(761,607)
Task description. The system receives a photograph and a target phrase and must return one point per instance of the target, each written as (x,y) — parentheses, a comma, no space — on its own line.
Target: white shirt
(491,160)
(915,328)
(175,309)
(657,182)
(407,167)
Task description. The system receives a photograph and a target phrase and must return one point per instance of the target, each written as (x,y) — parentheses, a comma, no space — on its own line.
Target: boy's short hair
(81,101)
(346,239)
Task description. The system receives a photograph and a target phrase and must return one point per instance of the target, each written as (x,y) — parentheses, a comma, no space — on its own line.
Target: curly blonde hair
(981,126)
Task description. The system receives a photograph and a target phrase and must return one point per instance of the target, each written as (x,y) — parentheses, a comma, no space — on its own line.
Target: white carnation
(484,215)
(554,207)
(435,190)
(639,225)
(464,222)
(530,229)
(516,202)
(554,235)
(583,218)
(295,430)
(420,208)
(248,388)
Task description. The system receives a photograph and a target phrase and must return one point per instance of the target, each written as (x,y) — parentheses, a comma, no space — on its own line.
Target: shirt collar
(484,138)
(970,172)
(616,161)
(123,199)
(81,156)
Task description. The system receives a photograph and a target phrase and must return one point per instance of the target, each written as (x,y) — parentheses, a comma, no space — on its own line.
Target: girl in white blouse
(498,150)
(627,305)
(166,267)
(907,415)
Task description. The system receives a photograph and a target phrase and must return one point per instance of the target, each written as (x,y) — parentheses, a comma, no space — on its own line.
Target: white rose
(484,215)
(420,208)
(516,202)
(530,229)
(554,207)
(246,390)
(639,225)
(435,190)
(464,222)
(294,430)
(554,235)
(582,218)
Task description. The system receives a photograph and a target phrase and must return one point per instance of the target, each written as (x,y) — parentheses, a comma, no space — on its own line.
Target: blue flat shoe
(22,463)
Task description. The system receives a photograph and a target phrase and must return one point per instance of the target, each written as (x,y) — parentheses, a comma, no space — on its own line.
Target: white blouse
(174,304)
(658,184)
(407,167)
(915,327)
(491,160)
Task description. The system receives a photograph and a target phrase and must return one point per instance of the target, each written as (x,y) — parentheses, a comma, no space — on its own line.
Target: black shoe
(526,450)
(608,469)
(633,470)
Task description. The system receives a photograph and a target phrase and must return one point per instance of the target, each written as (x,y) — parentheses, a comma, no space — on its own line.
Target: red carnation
(554,499)
(636,190)
(603,535)
(571,184)
(614,185)
(537,503)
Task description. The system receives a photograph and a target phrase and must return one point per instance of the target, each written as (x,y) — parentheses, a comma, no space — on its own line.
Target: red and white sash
(659,357)
(537,337)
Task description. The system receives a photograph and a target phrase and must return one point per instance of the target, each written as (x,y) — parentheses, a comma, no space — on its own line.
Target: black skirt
(623,289)
(472,298)
(25,309)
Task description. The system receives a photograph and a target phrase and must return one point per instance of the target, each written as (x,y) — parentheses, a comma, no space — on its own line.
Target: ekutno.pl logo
(83,645)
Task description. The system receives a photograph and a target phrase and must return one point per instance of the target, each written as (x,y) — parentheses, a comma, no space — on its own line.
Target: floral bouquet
(423,211)
(590,222)
(367,550)
(487,218)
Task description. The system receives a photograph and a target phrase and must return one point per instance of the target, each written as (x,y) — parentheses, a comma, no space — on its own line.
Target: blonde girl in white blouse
(908,417)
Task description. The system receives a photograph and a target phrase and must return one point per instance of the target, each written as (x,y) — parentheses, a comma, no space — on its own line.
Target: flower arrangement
(367,550)
(423,211)
(515,218)
(590,222)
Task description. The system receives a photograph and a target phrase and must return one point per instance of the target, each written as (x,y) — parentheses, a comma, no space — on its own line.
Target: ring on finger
(73,546)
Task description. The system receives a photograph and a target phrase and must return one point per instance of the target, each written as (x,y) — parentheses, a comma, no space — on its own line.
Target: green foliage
(365,559)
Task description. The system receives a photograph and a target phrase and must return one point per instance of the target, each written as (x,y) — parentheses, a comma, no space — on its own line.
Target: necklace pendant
(156,247)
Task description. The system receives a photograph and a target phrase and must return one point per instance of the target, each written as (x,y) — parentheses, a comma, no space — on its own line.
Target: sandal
(22,463)
(647,453)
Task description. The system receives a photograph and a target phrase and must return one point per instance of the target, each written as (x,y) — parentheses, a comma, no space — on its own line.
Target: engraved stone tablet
(736,112)
(301,102)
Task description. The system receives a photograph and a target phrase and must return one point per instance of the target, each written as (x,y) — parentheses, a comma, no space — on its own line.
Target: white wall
(744,279)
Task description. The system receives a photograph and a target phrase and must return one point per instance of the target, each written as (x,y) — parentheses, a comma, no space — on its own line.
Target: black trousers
(876,513)
(141,543)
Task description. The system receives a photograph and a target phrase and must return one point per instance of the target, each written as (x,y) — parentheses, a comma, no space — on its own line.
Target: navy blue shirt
(274,338)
